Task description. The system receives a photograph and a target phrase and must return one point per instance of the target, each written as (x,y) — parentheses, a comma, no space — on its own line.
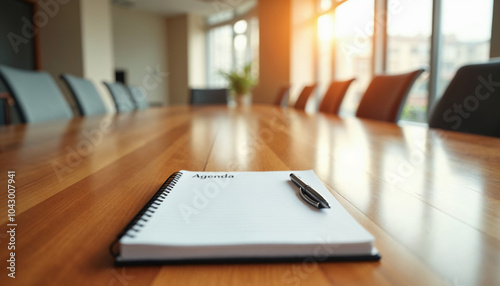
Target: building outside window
(325,47)
(409,29)
(465,38)
(466,35)
(345,44)
(353,33)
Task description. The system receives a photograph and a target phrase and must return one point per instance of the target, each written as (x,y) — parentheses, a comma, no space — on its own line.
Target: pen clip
(307,198)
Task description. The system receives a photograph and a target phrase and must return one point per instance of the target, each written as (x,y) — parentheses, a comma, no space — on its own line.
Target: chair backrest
(282,97)
(334,95)
(471,102)
(3,113)
(121,96)
(209,96)
(87,97)
(384,98)
(36,95)
(304,97)
(138,96)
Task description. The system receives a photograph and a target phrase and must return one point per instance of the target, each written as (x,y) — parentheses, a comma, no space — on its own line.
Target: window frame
(379,60)
(247,16)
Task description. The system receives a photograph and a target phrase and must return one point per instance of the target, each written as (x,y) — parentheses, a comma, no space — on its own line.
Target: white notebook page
(246,208)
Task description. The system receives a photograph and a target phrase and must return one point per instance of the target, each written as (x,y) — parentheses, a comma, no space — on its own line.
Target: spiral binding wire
(150,208)
(143,216)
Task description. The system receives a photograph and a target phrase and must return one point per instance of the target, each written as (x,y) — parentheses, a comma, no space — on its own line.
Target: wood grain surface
(431,198)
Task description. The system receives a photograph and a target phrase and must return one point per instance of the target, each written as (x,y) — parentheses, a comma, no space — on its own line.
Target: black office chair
(209,96)
(87,97)
(471,102)
(36,95)
(138,96)
(121,96)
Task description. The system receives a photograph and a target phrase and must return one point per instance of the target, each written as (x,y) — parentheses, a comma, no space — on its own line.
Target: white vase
(240,100)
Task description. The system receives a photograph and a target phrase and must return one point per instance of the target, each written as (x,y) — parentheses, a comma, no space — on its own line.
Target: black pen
(308,194)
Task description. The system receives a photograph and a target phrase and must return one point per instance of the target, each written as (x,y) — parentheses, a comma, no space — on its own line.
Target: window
(220,17)
(409,28)
(353,44)
(240,43)
(466,34)
(254,45)
(232,42)
(325,47)
(220,53)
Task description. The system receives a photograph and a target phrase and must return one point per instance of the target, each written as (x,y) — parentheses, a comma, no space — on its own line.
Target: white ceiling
(173,7)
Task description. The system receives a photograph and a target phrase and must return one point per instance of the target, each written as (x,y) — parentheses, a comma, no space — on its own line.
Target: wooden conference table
(431,198)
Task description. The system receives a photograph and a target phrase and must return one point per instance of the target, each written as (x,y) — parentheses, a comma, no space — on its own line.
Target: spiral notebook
(240,217)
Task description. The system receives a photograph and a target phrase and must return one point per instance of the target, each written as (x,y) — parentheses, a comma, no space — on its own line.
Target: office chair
(384,98)
(138,96)
(209,96)
(282,97)
(36,95)
(121,96)
(3,112)
(304,97)
(87,97)
(471,102)
(334,95)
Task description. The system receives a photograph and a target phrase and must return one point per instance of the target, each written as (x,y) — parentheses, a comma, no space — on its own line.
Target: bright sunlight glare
(325,27)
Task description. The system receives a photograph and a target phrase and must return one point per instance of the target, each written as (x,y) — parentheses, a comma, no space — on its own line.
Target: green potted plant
(240,84)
